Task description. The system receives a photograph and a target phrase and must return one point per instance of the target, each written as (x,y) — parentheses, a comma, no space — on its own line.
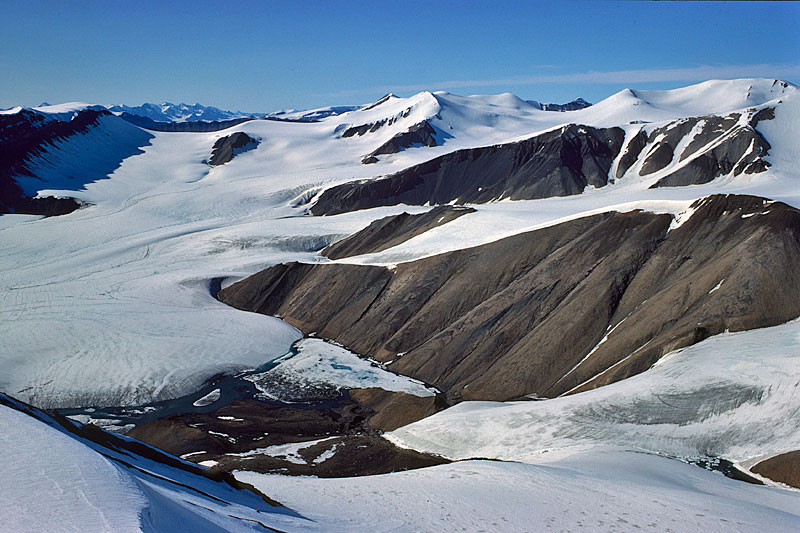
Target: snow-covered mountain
(630,265)
(169,112)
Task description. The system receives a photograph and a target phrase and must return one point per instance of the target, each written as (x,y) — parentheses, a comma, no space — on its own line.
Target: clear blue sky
(262,56)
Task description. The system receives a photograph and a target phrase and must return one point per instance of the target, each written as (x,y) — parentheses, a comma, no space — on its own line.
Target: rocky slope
(561,309)
(557,163)
(783,468)
(391,231)
(560,162)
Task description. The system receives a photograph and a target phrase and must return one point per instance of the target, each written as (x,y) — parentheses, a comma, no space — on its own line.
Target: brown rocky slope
(557,310)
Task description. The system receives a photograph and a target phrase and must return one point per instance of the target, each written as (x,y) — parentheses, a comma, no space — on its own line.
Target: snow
(731,396)
(230,419)
(208,399)
(717,286)
(600,490)
(327,454)
(288,452)
(319,363)
(110,305)
(54,480)
(48,478)
(681,217)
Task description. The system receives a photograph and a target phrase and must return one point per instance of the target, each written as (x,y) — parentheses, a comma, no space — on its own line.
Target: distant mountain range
(169,112)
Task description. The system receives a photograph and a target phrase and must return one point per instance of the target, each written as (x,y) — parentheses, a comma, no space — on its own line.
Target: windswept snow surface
(733,396)
(49,479)
(599,490)
(111,304)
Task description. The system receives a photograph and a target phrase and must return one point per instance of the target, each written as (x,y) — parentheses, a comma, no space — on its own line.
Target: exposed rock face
(372,127)
(632,152)
(28,136)
(419,134)
(347,456)
(783,468)
(578,103)
(391,231)
(395,409)
(561,309)
(381,100)
(230,145)
(557,163)
(741,151)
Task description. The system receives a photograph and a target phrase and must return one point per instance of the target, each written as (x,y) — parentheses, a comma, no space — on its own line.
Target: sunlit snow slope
(60,476)
(600,490)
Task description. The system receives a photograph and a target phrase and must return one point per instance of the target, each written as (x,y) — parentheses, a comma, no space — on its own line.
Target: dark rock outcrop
(345,456)
(578,103)
(370,127)
(526,315)
(557,163)
(742,152)
(783,468)
(230,145)
(391,231)
(391,410)
(419,134)
(632,152)
(379,101)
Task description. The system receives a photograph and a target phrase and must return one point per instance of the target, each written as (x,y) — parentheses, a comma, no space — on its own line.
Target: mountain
(602,300)
(181,113)
(571,307)
(59,147)
(574,105)
(169,112)
(313,115)
(100,481)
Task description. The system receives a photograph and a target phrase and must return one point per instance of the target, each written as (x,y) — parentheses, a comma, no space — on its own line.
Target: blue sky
(262,56)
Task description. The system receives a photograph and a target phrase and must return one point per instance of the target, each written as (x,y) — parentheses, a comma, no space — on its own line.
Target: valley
(269,321)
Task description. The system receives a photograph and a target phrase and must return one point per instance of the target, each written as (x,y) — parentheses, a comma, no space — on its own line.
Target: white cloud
(631,77)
